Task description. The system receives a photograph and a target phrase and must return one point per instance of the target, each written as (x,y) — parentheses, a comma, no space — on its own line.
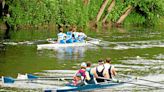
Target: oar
(90,38)
(95,44)
(113,80)
(130,82)
(12,80)
(140,78)
(145,85)
(39,41)
(31,76)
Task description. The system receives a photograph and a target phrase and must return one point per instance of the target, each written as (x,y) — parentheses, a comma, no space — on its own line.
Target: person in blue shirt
(61,36)
(81,36)
(69,36)
(75,35)
(90,79)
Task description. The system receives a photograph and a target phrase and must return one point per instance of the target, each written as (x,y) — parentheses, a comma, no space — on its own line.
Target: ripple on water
(136,44)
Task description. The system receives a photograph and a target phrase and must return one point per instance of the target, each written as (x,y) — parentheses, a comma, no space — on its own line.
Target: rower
(69,36)
(61,36)
(80,76)
(81,36)
(90,79)
(100,72)
(75,35)
(111,70)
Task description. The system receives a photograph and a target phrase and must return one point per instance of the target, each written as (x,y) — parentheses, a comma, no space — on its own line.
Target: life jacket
(82,77)
(100,74)
(82,72)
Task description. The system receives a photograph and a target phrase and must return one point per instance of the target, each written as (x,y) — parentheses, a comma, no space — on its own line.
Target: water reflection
(70,53)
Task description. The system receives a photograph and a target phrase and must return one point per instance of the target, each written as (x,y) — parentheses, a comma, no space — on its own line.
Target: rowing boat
(87,87)
(56,45)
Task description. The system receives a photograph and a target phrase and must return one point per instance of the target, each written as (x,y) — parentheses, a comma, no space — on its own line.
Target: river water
(136,51)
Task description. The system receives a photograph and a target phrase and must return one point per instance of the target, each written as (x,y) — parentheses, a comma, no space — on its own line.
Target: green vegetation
(24,13)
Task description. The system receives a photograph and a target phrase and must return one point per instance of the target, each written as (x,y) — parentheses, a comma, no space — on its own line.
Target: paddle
(29,78)
(129,82)
(50,40)
(93,39)
(140,78)
(90,38)
(113,80)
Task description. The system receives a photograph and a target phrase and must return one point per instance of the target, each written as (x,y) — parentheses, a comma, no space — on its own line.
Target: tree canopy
(74,12)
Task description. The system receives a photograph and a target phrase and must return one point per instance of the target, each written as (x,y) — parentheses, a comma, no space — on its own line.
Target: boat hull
(58,45)
(88,87)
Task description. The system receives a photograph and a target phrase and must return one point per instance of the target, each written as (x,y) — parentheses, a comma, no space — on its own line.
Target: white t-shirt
(76,35)
(82,36)
(61,36)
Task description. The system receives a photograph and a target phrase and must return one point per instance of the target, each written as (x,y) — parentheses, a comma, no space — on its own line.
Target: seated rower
(81,36)
(80,76)
(69,36)
(61,36)
(99,72)
(75,35)
(110,69)
(90,79)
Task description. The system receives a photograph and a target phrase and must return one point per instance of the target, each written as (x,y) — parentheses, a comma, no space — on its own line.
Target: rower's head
(61,29)
(80,30)
(88,64)
(100,62)
(74,28)
(83,65)
(70,29)
(108,60)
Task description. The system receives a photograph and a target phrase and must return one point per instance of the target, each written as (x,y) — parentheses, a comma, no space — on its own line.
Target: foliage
(151,10)
(74,12)
(31,12)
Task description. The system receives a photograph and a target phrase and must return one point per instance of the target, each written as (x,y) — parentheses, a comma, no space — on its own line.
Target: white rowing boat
(59,45)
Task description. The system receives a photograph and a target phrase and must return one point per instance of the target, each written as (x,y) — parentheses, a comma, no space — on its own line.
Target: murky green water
(137,51)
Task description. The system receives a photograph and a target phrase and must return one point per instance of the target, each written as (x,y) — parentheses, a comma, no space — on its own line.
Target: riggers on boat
(58,45)
(87,87)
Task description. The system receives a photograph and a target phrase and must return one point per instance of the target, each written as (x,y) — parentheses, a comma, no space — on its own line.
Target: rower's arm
(114,71)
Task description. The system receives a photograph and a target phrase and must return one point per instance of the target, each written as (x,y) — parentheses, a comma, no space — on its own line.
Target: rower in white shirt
(81,36)
(61,36)
(75,35)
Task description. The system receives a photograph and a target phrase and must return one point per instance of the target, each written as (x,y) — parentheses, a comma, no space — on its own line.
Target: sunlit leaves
(74,12)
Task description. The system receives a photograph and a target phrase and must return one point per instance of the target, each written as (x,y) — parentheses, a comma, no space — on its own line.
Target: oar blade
(7,79)
(31,76)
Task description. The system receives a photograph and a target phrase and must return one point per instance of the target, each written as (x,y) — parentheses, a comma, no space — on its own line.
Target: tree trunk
(105,2)
(112,4)
(124,15)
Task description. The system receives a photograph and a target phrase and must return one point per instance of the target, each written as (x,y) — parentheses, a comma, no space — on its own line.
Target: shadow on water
(4,36)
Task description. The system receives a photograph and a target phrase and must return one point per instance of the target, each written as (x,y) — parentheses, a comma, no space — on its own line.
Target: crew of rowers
(71,36)
(104,71)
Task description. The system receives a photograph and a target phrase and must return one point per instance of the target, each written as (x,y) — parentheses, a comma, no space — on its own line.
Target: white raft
(59,45)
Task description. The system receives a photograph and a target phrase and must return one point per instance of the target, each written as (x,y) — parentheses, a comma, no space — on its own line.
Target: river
(136,51)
